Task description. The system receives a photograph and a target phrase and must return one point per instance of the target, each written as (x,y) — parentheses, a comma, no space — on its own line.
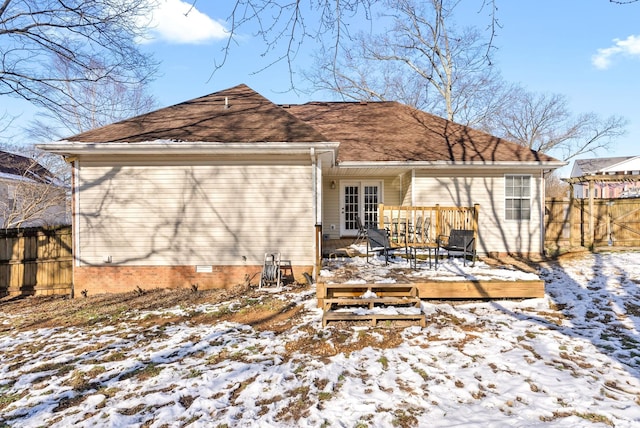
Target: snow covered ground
(571,359)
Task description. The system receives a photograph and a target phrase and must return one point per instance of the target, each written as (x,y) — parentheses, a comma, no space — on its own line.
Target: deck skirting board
(485,289)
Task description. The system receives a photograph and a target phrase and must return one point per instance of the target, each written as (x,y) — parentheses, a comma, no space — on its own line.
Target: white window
(517,190)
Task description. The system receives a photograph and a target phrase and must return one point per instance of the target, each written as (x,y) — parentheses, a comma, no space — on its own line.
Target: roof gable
(20,167)
(598,165)
(238,114)
(390,131)
(629,164)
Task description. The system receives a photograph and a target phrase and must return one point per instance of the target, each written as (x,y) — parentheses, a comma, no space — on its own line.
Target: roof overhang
(75,148)
(452,164)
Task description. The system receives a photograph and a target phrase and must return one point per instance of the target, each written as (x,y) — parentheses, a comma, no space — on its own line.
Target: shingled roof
(238,114)
(20,167)
(369,132)
(596,165)
(390,131)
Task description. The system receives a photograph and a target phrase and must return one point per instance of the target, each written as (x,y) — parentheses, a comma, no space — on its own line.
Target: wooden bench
(350,295)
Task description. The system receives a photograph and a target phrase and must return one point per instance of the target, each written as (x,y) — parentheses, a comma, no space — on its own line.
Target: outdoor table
(431,247)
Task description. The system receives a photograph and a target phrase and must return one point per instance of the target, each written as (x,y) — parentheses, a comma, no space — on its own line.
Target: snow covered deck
(450,280)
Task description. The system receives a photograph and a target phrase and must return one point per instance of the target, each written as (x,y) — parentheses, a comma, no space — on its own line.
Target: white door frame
(357,188)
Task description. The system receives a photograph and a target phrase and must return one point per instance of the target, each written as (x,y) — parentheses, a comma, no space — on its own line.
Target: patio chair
(378,241)
(459,241)
(421,232)
(362,231)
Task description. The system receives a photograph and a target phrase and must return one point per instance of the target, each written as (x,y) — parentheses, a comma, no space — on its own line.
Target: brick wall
(119,279)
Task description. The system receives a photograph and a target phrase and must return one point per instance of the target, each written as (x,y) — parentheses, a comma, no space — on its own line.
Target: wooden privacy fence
(571,223)
(36,261)
(424,224)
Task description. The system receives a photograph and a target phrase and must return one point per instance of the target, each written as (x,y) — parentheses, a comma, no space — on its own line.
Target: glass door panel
(359,199)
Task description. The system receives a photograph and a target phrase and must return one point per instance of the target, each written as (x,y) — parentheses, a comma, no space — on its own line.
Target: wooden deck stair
(350,295)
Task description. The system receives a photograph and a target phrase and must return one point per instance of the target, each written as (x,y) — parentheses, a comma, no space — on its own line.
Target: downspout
(314,179)
(542,207)
(316,176)
(75,226)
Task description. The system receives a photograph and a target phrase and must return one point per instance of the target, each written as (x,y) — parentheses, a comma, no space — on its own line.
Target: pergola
(600,179)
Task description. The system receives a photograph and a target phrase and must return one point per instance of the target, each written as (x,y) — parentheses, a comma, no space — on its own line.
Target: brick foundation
(120,279)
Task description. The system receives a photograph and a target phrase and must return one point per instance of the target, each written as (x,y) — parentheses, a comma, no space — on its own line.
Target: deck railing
(416,225)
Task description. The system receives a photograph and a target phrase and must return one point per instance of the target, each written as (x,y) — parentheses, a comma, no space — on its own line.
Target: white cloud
(179,22)
(630,47)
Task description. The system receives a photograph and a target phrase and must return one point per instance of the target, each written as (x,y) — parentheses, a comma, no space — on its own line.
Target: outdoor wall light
(333,184)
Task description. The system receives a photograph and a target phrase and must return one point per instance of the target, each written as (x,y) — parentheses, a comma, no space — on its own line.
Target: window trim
(520,198)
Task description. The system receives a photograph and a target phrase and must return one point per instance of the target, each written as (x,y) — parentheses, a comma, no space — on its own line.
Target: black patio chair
(362,231)
(459,241)
(378,241)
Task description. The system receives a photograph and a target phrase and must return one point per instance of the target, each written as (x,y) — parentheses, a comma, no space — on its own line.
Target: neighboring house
(611,171)
(29,194)
(198,192)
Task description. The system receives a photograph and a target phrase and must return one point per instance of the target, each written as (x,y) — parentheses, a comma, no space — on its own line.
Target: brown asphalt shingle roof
(595,165)
(20,166)
(249,118)
(390,131)
(369,132)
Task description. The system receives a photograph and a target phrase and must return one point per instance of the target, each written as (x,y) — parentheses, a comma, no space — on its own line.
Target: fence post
(591,228)
(570,215)
(476,212)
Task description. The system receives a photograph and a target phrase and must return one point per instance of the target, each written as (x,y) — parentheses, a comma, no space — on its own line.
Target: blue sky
(588,50)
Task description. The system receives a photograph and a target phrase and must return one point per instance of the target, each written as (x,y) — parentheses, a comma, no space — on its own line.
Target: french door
(359,199)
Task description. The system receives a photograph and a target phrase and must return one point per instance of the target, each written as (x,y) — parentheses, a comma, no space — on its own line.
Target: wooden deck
(445,289)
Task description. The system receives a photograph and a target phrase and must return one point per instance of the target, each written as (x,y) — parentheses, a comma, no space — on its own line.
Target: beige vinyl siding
(406,184)
(199,214)
(331,208)
(459,188)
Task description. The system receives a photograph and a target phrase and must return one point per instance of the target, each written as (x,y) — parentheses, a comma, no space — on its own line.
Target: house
(610,177)
(199,192)
(30,195)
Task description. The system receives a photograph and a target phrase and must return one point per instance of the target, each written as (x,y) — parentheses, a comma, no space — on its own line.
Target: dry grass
(251,307)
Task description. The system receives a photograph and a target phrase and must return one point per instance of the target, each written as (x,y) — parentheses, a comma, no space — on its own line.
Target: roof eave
(455,164)
(76,148)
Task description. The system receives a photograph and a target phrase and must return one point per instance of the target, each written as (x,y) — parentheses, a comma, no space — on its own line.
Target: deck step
(371,301)
(374,318)
(370,295)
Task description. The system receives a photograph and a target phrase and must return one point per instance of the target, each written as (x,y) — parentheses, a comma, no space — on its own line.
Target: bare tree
(31,194)
(84,32)
(285,27)
(423,60)
(555,187)
(99,103)
(544,122)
